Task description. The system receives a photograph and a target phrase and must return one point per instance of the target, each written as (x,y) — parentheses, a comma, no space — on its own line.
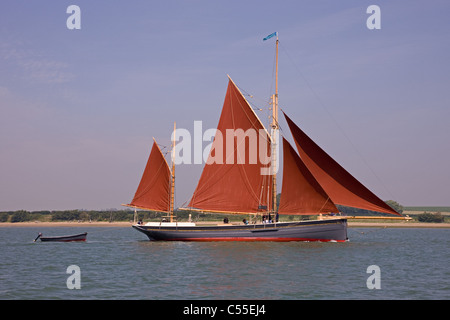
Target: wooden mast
(275,129)
(172,189)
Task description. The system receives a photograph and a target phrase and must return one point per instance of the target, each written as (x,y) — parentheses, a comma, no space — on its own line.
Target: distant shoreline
(65,224)
(397,225)
(122,224)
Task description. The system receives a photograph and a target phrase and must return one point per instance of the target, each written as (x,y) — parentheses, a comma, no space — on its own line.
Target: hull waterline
(316,230)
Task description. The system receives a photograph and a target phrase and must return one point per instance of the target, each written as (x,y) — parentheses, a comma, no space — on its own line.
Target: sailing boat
(237,183)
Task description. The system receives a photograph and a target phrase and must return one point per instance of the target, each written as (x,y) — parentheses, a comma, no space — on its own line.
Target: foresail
(301,194)
(237,176)
(340,185)
(153,192)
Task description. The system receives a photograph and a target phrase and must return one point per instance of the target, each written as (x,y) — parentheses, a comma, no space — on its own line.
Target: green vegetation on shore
(428,209)
(66,215)
(118,215)
(114,215)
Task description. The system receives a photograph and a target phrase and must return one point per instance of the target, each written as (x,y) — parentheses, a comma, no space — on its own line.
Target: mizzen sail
(340,185)
(153,192)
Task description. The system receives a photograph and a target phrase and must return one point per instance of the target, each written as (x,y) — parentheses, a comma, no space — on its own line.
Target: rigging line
(273,70)
(261,104)
(253,124)
(254,104)
(251,109)
(326,201)
(267,114)
(164,155)
(280,128)
(335,121)
(161,146)
(241,167)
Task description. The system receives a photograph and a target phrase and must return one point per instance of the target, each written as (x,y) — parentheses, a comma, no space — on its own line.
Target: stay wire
(334,120)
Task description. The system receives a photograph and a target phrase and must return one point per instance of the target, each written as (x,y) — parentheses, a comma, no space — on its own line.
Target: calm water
(119,263)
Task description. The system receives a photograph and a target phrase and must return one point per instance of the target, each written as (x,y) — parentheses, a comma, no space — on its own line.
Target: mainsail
(301,193)
(340,185)
(153,192)
(232,179)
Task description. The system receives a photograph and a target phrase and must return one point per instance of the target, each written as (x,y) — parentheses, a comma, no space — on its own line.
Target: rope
(335,121)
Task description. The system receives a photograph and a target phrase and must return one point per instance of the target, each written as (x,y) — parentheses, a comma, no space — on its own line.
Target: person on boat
(225,220)
(245,221)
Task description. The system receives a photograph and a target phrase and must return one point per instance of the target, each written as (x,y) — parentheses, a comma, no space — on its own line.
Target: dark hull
(76,237)
(316,230)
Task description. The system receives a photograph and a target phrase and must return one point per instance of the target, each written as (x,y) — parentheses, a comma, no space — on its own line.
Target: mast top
(275,127)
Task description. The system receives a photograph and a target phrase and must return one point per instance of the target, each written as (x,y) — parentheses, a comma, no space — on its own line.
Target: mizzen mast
(172,189)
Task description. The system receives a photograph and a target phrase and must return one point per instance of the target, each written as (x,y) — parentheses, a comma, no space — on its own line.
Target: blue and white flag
(270,36)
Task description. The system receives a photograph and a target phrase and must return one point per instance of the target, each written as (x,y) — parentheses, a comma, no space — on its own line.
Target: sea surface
(120,263)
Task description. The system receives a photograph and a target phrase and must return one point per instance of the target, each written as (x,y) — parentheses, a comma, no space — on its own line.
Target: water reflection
(117,263)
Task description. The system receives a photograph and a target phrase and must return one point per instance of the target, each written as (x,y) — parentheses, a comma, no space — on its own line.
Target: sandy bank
(65,224)
(351,224)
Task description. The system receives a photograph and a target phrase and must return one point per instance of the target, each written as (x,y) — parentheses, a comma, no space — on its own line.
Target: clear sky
(79,108)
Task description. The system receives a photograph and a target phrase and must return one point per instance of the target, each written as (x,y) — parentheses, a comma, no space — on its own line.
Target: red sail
(301,193)
(153,190)
(340,185)
(232,180)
